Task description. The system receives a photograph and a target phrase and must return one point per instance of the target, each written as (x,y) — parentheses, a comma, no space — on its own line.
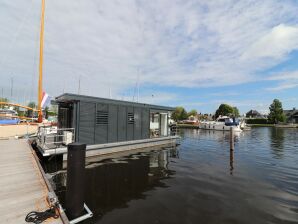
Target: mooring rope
(39,217)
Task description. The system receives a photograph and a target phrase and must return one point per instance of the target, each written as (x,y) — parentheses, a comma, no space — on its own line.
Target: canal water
(200,181)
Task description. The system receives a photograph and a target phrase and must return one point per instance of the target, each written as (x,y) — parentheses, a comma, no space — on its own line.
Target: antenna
(11,88)
(79,88)
(137,87)
(138,91)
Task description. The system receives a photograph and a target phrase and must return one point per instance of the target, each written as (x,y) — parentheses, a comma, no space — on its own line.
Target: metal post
(75,185)
(231,138)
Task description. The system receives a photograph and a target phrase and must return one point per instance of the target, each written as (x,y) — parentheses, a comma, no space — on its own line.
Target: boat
(223,123)
(8,116)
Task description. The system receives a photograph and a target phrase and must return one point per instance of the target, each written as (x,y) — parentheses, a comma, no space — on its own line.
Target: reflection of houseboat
(222,123)
(8,116)
(106,123)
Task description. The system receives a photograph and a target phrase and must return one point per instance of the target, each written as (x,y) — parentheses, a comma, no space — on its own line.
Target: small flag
(46,99)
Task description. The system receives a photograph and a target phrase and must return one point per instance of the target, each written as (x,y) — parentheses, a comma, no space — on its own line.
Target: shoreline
(191,126)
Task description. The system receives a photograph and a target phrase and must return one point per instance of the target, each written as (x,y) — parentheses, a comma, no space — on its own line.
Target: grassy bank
(260,125)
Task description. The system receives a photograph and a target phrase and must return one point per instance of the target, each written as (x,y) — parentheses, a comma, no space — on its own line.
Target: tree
(193,112)
(224,110)
(276,112)
(183,115)
(179,114)
(3,100)
(30,112)
(236,112)
(46,110)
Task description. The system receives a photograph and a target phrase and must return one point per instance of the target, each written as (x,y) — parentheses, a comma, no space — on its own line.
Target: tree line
(276,113)
(180,113)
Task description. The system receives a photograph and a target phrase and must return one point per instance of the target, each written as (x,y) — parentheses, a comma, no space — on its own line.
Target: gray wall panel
(86,123)
(101,130)
(145,123)
(113,123)
(137,123)
(129,127)
(122,119)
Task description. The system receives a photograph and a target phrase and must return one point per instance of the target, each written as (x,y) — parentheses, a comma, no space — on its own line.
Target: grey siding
(129,127)
(145,123)
(86,123)
(137,123)
(104,121)
(113,123)
(122,117)
(101,130)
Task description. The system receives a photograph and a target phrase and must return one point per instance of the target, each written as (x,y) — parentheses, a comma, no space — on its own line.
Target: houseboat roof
(69,97)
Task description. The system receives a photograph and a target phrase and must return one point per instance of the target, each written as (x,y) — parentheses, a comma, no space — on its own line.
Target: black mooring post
(75,185)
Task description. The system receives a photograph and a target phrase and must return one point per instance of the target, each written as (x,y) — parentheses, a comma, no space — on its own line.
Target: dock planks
(22,188)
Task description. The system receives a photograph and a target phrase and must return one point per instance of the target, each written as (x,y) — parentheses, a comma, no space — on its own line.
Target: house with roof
(292,115)
(254,114)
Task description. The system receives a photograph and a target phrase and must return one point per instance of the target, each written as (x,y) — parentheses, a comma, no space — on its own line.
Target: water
(200,181)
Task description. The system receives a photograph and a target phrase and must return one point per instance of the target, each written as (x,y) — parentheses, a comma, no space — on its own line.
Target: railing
(50,137)
(174,130)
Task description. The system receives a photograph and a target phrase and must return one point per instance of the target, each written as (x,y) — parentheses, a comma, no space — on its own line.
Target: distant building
(254,114)
(292,115)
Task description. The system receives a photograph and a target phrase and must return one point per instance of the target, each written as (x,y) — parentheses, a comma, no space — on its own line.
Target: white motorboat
(223,123)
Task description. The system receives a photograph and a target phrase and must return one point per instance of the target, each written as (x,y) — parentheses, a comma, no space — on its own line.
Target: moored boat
(223,123)
(8,116)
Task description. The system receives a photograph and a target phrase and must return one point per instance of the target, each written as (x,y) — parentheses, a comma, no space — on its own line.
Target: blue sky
(193,53)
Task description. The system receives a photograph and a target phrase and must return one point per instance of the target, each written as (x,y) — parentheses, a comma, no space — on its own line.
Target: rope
(39,217)
(41,202)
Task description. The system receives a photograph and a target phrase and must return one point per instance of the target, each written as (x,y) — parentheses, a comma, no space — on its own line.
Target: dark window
(102,117)
(130,118)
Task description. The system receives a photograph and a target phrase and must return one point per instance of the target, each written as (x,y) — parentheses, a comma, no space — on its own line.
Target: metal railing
(50,137)
(174,130)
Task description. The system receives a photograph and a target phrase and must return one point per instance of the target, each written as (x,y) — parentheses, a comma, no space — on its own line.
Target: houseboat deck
(115,147)
(22,187)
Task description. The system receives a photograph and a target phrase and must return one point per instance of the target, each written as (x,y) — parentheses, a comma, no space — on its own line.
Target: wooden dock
(22,187)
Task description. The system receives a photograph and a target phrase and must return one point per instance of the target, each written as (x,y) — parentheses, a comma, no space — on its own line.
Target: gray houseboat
(106,124)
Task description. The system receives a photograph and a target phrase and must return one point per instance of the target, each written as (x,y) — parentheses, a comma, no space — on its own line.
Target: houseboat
(223,123)
(106,124)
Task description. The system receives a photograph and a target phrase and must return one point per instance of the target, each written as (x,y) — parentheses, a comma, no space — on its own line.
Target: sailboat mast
(41,61)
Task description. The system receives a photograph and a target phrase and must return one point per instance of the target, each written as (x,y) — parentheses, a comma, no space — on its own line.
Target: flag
(46,99)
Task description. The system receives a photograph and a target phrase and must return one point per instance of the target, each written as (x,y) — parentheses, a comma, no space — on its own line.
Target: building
(254,114)
(98,120)
(292,115)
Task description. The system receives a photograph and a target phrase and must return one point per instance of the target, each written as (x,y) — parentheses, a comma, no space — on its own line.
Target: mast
(41,61)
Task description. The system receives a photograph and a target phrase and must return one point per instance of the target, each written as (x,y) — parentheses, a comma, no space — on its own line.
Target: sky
(192,53)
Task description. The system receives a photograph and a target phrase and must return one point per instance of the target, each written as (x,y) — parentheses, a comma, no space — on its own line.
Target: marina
(137,113)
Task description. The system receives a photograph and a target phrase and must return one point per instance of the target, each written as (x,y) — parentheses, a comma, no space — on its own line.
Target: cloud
(285,76)
(286,80)
(111,43)
(283,86)
(276,44)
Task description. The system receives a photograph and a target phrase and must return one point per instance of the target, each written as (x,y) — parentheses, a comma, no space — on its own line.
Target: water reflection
(257,181)
(112,183)
(231,161)
(277,136)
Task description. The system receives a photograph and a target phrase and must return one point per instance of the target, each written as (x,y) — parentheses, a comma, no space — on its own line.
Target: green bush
(258,121)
